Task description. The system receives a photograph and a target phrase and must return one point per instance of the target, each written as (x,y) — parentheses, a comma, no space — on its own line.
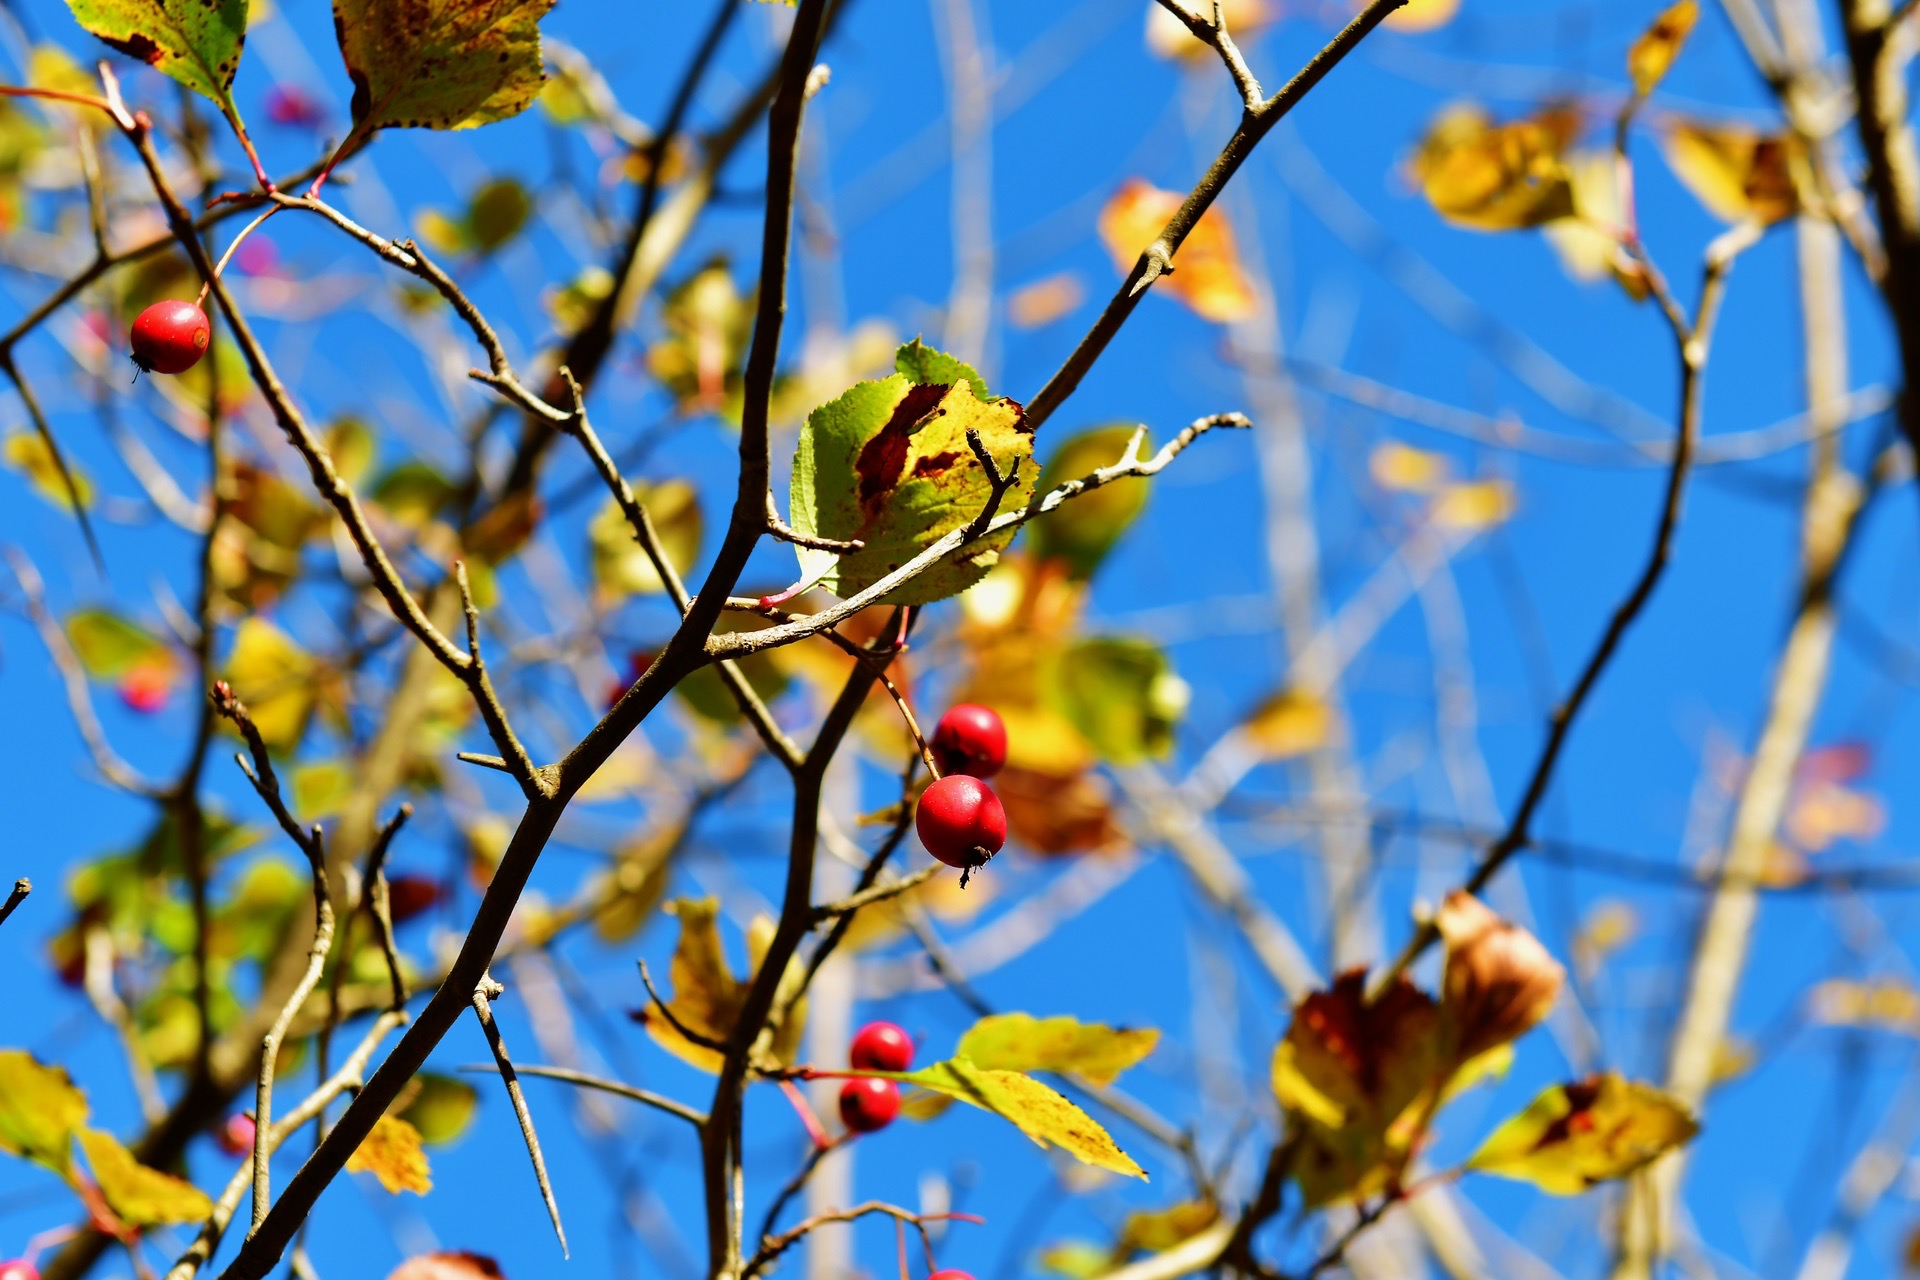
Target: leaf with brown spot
(1652,55)
(1496,177)
(440,64)
(1590,1131)
(888,464)
(1737,172)
(1037,1111)
(196,42)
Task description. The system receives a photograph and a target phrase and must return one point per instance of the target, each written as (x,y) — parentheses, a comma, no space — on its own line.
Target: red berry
(289,106)
(146,688)
(951,1273)
(961,821)
(971,739)
(235,1137)
(867,1105)
(170,337)
(881,1046)
(19,1269)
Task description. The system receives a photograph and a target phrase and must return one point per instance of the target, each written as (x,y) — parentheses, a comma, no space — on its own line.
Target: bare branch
(21,888)
(567,1076)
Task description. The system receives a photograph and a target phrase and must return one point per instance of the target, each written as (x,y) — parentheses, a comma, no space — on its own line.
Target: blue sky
(1095,108)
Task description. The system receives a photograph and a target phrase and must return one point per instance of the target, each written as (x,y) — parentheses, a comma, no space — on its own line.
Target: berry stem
(219,267)
(808,1120)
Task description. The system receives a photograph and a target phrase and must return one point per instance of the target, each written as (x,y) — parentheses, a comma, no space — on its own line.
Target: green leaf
(441,1108)
(1037,1111)
(925,366)
(413,492)
(197,42)
(494,215)
(323,789)
(439,64)
(888,463)
(1590,1131)
(1121,695)
(109,646)
(620,567)
(1083,531)
(40,1110)
(1022,1042)
(139,1196)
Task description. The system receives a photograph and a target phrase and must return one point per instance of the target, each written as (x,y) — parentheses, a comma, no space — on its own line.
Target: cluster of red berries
(868,1104)
(170,337)
(960,820)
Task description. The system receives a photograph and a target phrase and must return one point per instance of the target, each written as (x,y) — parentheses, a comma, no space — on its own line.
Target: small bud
(1499,980)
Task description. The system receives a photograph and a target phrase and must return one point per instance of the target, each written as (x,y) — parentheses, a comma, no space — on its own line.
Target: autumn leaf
(1157,1230)
(1022,1042)
(1416,16)
(40,1110)
(707,998)
(888,464)
(1083,531)
(1737,172)
(1499,981)
(620,567)
(440,1108)
(1651,56)
(1495,177)
(276,678)
(1038,304)
(1053,814)
(27,452)
(1400,468)
(1037,1111)
(1121,694)
(439,64)
(392,1153)
(1354,1076)
(109,645)
(1290,723)
(1473,506)
(1206,274)
(1591,1131)
(196,42)
(139,1196)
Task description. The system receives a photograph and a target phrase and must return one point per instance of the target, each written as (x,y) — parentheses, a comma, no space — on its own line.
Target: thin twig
(774,1246)
(565,1075)
(673,1020)
(483,1008)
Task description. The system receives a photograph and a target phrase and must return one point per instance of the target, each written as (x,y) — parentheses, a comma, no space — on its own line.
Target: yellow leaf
(276,679)
(1290,723)
(1207,274)
(139,1196)
(1588,242)
(1156,1231)
(1422,15)
(1473,506)
(27,453)
(393,1154)
(1496,177)
(40,1109)
(1022,1042)
(1652,55)
(1037,1111)
(1354,1076)
(1168,37)
(1403,469)
(620,567)
(1594,1130)
(1044,301)
(707,997)
(1738,173)
(1885,1004)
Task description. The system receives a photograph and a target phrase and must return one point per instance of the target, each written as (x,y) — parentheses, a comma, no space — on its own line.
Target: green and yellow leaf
(139,1196)
(439,64)
(1022,1042)
(196,42)
(40,1110)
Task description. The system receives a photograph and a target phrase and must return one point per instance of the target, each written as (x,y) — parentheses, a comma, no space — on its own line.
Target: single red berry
(881,1046)
(409,896)
(19,1269)
(235,1137)
(146,688)
(951,1273)
(971,739)
(868,1104)
(170,337)
(961,821)
(290,106)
